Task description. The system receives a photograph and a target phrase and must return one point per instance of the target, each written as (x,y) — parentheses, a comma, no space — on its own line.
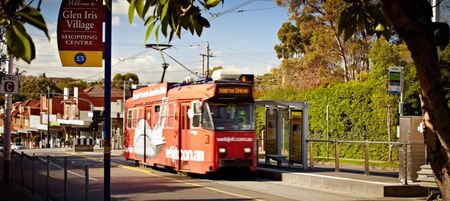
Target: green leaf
(131,10)
(203,21)
(140,8)
(164,25)
(149,20)
(147,5)
(164,11)
(149,31)
(19,42)
(33,17)
(157,32)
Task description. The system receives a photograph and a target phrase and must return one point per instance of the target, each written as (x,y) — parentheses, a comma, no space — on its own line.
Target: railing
(403,146)
(51,178)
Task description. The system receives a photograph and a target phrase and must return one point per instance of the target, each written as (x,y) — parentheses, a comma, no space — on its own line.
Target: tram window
(196,109)
(157,108)
(206,118)
(129,118)
(232,116)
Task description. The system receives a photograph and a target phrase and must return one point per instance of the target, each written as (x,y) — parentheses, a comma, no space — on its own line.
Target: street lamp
(160,48)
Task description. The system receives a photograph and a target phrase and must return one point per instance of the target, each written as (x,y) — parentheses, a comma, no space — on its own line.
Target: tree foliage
(291,42)
(13,17)
(119,80)
(325,55)
(170,16)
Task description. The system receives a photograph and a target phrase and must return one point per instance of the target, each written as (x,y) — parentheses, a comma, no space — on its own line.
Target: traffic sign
(9,84)
(395,80)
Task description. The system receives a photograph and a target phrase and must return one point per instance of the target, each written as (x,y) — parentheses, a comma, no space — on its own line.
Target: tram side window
(196,108)
(171,116)
(156,115)
(129,118)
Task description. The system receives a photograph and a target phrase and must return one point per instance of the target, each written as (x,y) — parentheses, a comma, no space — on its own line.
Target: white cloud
(115,20)
(120,7)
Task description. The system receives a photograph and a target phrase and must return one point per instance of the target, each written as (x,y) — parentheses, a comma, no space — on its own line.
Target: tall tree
(411,19)
(318,22)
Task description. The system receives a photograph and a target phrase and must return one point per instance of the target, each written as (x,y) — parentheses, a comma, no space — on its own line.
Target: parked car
(17,145)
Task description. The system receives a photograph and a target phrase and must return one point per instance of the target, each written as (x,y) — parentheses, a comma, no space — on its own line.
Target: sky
(241,40)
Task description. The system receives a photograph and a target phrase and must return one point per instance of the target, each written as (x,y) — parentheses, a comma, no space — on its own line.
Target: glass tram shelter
(284,132)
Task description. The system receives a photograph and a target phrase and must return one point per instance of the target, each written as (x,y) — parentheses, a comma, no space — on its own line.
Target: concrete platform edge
(343,185)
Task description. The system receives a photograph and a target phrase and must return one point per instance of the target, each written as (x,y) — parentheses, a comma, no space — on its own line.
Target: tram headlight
(247,151)
(222,151)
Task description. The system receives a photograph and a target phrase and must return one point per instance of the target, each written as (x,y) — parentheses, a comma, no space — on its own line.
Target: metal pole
(336,156)
(405,164)
(48,177)
(311,156)
(207,61)
(66,182)
(366,158)
(48,116)
(86,183)
(7,129)
(145,136)
(107,112)
(123,113)
(32,173)
(22,163)
(328,134)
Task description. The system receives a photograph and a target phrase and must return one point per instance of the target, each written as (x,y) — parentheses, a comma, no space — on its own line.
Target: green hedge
(358,111)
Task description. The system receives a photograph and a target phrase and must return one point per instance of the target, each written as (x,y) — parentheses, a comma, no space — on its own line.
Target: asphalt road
(129,182)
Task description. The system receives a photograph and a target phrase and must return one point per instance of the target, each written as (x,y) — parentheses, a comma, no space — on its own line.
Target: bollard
(366,158)
(336,156)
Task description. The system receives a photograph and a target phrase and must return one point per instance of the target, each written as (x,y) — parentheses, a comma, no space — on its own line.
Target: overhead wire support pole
(107,112)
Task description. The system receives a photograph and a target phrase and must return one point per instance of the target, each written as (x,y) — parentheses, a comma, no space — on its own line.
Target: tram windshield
(228,116)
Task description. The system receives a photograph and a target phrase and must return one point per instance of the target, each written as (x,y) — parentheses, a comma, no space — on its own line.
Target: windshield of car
(236,116)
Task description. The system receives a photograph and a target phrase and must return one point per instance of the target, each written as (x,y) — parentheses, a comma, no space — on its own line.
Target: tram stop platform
(349,180)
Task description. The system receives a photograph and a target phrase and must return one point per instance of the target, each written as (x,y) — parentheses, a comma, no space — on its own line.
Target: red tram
(196,128)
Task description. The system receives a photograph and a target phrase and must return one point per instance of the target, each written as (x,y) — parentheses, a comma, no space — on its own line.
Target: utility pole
(203,64)
(207,55)
(7,128)
(48,116)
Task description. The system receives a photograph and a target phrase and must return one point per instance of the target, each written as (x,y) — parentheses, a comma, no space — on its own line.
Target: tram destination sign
(79,33)
(234,90)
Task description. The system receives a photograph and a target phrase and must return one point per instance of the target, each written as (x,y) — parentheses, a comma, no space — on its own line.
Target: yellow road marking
(172,179)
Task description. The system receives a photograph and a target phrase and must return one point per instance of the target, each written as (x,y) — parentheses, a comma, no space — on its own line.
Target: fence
(52,178)
(403,146)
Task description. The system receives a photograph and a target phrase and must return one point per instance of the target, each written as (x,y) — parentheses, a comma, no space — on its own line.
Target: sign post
(9,84)
(79,33)
(396,85)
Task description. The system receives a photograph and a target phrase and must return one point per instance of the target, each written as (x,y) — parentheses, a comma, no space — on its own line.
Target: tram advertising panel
(296,136)
(271,131)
